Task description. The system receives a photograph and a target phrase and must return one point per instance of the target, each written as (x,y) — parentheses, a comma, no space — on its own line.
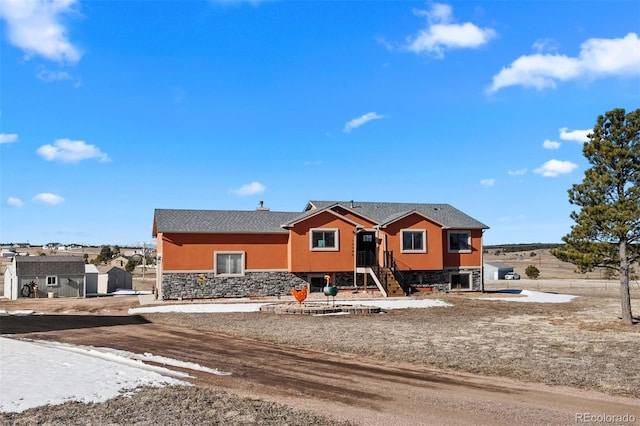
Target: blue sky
(110,109)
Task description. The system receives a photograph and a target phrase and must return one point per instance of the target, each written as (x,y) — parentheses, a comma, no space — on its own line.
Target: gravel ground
(174,405)
(581,344)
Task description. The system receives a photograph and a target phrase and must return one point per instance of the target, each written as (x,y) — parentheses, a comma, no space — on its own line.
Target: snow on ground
(534,296)
(255,307)
(4,313)
(35,373)
(199,308)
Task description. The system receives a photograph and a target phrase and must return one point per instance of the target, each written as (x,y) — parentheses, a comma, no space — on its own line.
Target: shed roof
(499,265)
(49,265)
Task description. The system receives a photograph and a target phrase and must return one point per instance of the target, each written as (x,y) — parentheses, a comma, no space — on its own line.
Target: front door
(366,249)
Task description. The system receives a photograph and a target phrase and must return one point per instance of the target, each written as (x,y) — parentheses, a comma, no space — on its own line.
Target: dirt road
(343,386)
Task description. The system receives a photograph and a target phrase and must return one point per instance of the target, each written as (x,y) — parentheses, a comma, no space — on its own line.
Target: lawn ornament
(300,295)
(329,289)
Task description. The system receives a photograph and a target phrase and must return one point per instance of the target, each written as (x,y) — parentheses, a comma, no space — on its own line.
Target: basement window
(460,281)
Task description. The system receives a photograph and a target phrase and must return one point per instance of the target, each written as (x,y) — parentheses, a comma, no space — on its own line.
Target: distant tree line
(511,248)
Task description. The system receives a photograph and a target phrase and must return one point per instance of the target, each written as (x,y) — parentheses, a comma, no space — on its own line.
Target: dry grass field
(581,344)
(550,267)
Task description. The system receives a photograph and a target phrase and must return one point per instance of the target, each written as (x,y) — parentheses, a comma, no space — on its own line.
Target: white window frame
(336,239)
(424,241)
(242,263)
(469,276)
(452,250)
(51,281)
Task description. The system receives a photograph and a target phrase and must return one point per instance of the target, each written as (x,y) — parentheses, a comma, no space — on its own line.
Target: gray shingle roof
(384,213)
(236,221)
(49,265)
(191,221)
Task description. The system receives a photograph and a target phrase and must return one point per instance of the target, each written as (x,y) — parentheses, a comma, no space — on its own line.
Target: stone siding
(189,285)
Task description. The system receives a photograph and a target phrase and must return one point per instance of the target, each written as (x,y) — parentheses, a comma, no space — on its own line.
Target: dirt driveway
(340,385)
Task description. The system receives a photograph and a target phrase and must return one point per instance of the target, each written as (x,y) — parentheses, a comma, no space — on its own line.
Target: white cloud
(14,202)
(8,138)
(49,76)
(554,168)
(517,172)
(549,144)
(574,135)
(48,198)
(249,189)
(384,42)
(34,26)
(545,45)
(488,182)
(68,151)
(357,122)
(597,58)
(442,33)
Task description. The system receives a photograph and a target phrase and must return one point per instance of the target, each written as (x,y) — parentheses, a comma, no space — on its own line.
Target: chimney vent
(262,208)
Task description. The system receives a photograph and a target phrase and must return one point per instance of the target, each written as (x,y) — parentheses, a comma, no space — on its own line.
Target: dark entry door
(366,249)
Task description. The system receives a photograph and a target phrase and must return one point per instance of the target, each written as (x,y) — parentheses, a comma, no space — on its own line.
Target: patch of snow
(129,292)
(40,373)
(331,314)
(255,307)
(4,313)
(199,308)
(403,303)
(534,296)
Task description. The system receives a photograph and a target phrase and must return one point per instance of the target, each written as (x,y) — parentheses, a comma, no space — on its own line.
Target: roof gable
(314,212)
(385,213)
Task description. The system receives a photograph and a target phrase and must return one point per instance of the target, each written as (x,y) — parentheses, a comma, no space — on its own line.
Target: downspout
(355,257)
(482,261)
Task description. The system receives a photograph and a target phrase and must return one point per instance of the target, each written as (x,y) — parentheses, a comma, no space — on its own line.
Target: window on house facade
(324,239)
(52,280)
(229,263)
(459,241)
(414,241)
(461,281)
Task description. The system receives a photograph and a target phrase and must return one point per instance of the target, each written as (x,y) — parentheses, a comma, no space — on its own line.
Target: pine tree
(607,226)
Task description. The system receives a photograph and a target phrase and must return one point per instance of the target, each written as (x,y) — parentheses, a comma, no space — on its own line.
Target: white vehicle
(512,276)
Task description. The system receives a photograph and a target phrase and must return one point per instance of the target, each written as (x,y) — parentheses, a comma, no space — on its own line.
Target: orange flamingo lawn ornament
(300,295)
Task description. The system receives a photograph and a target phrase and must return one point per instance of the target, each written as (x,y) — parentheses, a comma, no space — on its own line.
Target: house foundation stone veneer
(191,285)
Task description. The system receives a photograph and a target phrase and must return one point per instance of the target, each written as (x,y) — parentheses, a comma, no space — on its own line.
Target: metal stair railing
(391,263)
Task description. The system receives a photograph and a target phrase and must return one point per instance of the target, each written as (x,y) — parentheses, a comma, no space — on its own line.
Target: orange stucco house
(394,248)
